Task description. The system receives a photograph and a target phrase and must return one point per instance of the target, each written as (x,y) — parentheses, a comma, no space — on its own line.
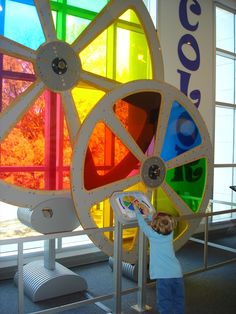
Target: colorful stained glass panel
(95,6)
(182,134)
(13,20)
(188,181)
(74,27)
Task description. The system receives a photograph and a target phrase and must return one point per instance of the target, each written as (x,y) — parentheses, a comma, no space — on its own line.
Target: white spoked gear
(152,174)
(58,68)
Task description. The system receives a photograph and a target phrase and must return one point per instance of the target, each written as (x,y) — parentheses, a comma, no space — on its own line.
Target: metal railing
(118,292)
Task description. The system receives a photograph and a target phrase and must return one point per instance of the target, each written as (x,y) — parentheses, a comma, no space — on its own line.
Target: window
(225,111)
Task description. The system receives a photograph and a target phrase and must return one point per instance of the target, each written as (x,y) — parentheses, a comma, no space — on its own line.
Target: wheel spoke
(16,50)
(149,193)
(109,14)
(72,118)
(114,123)
(163,120)
(10,117)
(179,203)
(97,81)
(100,194)
(198,152)
(45,15)
(150,33)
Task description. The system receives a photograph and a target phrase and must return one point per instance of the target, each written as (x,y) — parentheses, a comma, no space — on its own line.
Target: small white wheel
(144,135)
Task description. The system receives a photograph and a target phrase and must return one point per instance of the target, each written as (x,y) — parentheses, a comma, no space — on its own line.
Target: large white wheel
(61,67)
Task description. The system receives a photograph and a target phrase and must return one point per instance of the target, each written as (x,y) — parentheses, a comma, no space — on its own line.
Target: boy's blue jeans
(170,295)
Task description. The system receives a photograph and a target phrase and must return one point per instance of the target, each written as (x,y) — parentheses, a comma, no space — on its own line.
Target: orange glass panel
(17,65)
(24,145)
(30,179)
(11,89)
(66,180)
(67,149)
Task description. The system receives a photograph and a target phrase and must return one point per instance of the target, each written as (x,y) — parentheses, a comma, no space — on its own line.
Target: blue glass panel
(182,134)
(20,22)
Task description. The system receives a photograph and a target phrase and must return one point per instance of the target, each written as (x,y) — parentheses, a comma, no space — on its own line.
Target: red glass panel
(139,115)
(100,165)
(108,159)
(67,149)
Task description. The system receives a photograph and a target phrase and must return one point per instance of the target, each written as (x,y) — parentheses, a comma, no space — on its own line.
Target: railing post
(206,243)
(50,254)
(142,274)
(20,259)
(117,267)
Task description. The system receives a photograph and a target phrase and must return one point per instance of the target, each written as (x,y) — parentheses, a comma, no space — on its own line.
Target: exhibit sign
(186,35)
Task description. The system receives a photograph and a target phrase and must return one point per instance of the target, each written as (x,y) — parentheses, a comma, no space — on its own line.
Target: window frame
(220,204)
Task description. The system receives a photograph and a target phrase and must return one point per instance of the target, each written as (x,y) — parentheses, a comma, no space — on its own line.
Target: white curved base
(41,283)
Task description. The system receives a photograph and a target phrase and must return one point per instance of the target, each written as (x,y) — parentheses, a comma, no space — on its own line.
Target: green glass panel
(188,181)
(95,6)
(74,27)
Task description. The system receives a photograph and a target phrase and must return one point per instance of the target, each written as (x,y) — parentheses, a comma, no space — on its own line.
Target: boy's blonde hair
(163,223)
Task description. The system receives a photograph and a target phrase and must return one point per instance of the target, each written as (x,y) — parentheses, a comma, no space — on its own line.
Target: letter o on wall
(191,65)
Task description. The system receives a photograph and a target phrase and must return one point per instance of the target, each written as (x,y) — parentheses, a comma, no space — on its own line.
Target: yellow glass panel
(130,16)
(93,58)
(85,99)
(121,52)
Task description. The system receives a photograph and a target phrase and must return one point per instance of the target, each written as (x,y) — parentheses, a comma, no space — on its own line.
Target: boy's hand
(142,208)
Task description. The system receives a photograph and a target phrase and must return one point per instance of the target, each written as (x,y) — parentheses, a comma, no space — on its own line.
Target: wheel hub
(58,66)
(153,172)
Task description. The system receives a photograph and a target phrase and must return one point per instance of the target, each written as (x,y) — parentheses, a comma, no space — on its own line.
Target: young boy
(164,266)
